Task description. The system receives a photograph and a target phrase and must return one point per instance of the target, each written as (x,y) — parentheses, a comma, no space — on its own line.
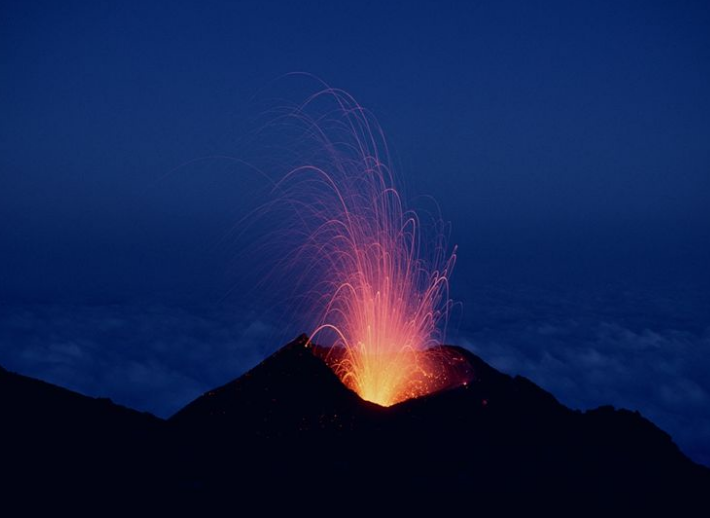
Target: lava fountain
(376,275)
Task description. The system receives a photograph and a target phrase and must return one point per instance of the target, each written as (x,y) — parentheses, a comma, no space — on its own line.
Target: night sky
(568,143)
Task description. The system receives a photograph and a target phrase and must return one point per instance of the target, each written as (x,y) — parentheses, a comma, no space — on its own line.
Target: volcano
(290,423)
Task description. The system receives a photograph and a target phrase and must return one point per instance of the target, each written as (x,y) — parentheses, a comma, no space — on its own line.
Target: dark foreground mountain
(290,427)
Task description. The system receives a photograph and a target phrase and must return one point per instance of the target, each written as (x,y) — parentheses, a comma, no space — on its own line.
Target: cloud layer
(154,358)
(640,351)
(637,351)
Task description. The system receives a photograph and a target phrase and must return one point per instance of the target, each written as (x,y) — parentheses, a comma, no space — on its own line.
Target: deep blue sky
(566,142)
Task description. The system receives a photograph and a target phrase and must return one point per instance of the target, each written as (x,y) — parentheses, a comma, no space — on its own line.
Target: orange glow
(377,274)
(388,380)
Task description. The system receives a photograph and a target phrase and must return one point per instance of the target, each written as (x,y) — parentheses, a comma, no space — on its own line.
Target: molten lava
(376,274)
(401,376)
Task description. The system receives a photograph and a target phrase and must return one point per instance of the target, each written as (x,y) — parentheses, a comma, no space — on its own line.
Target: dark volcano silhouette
(290,423)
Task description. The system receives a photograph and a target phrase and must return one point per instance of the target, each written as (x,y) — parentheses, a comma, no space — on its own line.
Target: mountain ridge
(289,421)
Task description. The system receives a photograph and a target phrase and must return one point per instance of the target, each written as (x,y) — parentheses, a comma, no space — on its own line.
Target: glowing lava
(376,275)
